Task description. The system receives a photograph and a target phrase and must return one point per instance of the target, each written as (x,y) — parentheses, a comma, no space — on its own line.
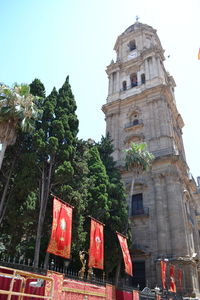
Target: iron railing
(132,85)
(28,265)
(133,123)
(124,283)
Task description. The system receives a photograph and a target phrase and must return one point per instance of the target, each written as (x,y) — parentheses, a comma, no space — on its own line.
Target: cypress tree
(118,206)
(55,145)
(37,88)
(98,204)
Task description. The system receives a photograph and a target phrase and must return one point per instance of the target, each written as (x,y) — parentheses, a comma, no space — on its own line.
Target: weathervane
(137,18)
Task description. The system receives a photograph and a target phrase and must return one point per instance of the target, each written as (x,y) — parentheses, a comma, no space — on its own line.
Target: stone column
(157,129)
(165,113)
(163,234)
(190,278)
(117,83)
(177,225)
(146,70)
(162,117)
(158,66)
(110,85)
(155,70)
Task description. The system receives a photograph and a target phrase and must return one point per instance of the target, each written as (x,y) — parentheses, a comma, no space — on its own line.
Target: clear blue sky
(50,39)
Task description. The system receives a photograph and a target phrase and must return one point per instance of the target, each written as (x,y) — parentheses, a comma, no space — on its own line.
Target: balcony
(132,85)
(133,123)
(143,211)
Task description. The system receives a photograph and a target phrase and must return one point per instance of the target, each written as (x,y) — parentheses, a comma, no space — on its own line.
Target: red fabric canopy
(5,285)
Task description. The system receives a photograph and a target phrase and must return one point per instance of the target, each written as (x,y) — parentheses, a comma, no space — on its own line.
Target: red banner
(126,255)
(172,284)
(60,242)
(96,252)
(163,266)
(180,278)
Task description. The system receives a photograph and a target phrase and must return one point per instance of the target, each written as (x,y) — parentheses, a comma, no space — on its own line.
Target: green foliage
(118,209)
(20,218)
(98,201)
(53,160)
(138,158)
(17,107)
(37,88)
(55,144)
(45,162)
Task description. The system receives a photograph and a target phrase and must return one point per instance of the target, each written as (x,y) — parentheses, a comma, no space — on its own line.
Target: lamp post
(66,265)
(52,265)
(157,290)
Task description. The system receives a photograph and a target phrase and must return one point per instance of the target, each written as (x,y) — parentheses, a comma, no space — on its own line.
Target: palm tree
(17,110)
(137,160)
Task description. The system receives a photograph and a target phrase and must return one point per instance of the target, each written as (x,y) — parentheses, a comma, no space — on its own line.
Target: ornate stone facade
(141,107)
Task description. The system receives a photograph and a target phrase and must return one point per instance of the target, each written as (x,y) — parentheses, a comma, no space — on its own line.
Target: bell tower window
(135,120)
(143,79)
(132,45)
(124,85)
(133,79)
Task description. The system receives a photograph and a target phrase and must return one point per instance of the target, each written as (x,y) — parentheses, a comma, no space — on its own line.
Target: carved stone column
(155,69)
(177,225)
(163,233)
(109,85)
(146,70)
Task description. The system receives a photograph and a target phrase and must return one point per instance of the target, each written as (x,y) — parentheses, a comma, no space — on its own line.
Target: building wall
(147,112)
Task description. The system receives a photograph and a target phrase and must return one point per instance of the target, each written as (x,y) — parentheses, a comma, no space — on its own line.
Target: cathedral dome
(137,26)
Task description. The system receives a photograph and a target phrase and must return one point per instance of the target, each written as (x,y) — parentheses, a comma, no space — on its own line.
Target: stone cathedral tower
(141,107)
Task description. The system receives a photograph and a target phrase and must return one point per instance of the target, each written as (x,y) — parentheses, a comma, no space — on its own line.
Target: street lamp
(66,263)
(52,264)
(157,289)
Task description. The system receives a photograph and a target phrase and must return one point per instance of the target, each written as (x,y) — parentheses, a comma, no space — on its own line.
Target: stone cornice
(141,96)
(185,260)
(113,67)
(181,259)
(137,29)
(142,56)
(136,135)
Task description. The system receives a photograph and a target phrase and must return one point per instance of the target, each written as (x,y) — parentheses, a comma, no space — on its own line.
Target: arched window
(143,78)
(149,59)
(124,85)
(135,122)
(134,118)
(132,45)
(133,79)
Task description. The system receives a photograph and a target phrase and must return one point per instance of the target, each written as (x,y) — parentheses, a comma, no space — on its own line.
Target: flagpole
(122,234)
(62,201)
(96,220)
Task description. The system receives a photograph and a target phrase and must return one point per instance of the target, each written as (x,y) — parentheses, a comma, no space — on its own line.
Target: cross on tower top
(137,18)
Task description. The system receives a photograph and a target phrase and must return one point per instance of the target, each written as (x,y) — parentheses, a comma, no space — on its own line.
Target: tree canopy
(17,111)
(52,160)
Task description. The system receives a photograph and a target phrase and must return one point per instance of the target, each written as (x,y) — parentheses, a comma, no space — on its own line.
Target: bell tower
(141,107)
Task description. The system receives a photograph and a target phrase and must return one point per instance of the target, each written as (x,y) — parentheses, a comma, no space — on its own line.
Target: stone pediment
(134,138)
